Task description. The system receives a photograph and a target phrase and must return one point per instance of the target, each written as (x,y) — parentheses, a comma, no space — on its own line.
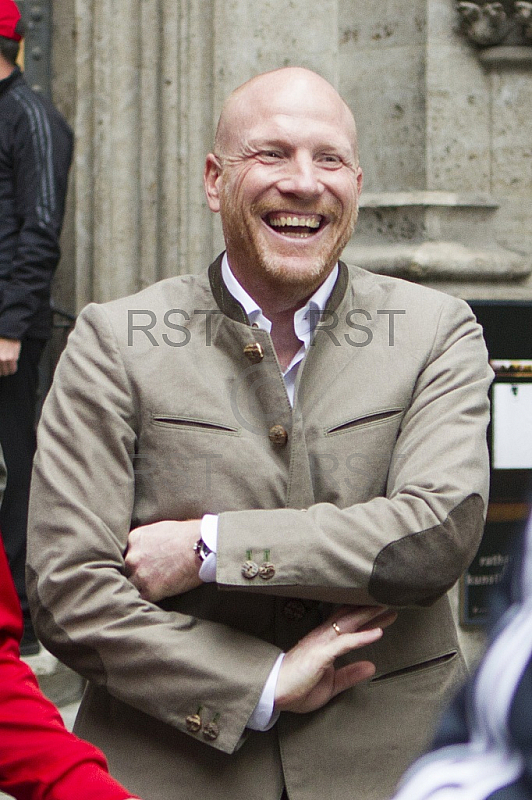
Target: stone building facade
(442,94)
(441,90)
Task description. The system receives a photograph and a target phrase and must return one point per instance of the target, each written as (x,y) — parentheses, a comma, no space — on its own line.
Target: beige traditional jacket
(372,489)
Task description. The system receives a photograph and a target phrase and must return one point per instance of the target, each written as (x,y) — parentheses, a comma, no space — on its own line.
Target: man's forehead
(287,131)
(300,92)
(279,111)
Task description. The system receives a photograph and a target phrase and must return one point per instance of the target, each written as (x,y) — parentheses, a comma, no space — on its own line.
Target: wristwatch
(201,550)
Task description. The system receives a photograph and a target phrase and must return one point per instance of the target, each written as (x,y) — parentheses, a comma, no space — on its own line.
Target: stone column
(143,124)
(250,38)
(509,71)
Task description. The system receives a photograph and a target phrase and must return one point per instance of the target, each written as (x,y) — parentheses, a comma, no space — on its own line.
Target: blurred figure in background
(483,750)
(35,155)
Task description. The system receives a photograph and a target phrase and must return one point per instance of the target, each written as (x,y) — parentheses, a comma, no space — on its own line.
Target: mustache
(327,210)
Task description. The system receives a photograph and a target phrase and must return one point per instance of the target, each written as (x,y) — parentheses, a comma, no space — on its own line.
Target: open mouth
(300,226)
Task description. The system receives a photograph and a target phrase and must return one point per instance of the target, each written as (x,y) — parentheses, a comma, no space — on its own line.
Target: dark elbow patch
(419,568)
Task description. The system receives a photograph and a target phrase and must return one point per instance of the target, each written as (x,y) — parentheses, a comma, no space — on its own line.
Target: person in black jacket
(35,154)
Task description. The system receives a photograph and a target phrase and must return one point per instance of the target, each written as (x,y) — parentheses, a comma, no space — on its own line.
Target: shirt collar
(305,318)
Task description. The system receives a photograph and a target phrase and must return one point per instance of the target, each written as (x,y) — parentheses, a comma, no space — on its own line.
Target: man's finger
(338,646)
(350,675)
(381,621)
(349,620)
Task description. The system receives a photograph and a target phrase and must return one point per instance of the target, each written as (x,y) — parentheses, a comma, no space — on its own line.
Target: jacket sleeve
(408,547)
(164,663)
(39,758)
(42,152)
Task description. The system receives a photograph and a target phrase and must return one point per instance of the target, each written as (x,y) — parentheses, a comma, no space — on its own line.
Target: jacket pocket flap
(174,421)
(368,419)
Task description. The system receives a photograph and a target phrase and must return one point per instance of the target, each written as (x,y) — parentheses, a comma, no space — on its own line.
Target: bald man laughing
(255,486)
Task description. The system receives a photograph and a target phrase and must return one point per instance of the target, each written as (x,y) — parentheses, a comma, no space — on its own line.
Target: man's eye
(270,155)
(329,159)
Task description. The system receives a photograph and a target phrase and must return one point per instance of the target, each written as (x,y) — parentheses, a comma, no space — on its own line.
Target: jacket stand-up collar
(233,309)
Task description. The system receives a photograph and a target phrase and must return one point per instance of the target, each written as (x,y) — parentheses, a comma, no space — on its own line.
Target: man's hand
(160,558)
(9,354)
(308,679)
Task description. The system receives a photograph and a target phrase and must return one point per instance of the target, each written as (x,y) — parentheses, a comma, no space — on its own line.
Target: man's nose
(301,177)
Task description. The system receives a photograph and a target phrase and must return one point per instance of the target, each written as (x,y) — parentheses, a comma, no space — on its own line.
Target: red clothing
(39,758)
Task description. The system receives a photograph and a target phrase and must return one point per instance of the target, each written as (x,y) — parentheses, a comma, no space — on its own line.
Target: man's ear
(211,178)
(360,180)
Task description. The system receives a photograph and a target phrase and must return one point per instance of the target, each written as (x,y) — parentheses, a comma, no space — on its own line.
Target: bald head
(285,179)
(290,88)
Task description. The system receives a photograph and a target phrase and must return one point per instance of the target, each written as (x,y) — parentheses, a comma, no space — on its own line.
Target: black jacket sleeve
(41,155)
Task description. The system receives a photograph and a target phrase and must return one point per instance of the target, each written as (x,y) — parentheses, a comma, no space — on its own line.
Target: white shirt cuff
(209,534)
(264,717)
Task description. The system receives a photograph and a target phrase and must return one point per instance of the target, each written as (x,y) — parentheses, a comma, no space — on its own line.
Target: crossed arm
(161,562)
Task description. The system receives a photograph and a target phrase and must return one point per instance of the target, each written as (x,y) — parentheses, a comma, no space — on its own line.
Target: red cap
(9,20)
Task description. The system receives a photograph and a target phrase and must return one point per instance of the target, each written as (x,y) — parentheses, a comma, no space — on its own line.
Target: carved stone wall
(445,130)
(487,22)
(445,143)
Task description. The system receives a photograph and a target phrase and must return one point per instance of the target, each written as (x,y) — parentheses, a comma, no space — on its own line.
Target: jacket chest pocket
(187,466)
(368,420)
(193,424)
(351,459)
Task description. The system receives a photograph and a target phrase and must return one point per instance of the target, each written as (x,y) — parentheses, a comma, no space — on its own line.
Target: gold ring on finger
(337,628)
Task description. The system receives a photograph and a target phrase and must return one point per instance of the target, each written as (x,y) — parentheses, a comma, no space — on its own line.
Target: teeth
(295,222)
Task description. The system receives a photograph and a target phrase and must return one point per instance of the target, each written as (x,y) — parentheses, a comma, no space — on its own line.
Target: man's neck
(279,306)
(285,341)
(276,299)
